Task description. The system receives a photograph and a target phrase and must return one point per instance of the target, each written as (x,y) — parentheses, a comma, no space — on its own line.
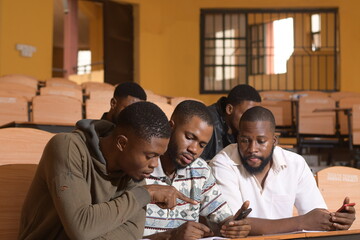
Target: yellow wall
(31,23)
(169,41)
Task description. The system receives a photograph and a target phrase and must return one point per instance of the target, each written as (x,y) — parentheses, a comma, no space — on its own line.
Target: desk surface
(332,235)
(49,127)
(332,109)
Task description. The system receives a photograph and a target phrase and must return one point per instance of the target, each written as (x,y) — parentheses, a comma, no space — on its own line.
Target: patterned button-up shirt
(196,182)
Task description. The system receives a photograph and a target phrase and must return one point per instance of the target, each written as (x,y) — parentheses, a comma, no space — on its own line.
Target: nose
(154,163)
(253,147)
(193,148)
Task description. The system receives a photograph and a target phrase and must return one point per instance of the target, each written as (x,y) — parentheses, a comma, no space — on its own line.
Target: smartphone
(342,209)
(243,214)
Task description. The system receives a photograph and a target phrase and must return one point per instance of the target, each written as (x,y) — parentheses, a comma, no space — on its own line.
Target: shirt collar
(159,172)
(279,162)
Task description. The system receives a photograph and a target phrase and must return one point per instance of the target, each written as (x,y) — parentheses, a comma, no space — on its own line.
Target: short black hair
(146,119)
(187,109)
(243,92)
(129,89)
(258,113)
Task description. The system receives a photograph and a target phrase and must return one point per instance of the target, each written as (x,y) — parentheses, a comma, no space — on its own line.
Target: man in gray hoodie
(88,184)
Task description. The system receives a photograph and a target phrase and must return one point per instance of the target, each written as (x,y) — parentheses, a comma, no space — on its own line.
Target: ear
(276,140)
(121,142)
(229,109)
(113,103)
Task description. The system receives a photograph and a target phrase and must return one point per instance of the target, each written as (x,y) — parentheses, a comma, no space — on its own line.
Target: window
(84,62)
(270,49)
(315,32)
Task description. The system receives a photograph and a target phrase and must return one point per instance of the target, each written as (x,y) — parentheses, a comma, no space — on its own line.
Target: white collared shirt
(288,183)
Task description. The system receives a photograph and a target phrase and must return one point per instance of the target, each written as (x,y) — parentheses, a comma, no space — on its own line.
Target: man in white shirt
(273,180)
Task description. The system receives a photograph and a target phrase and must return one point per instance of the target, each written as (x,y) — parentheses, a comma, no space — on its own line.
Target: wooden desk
(49,127)
(331,235)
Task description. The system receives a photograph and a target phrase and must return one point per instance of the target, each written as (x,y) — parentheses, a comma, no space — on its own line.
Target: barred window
(274,49)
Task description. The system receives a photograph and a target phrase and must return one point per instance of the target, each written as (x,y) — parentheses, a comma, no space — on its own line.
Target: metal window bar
(306,70)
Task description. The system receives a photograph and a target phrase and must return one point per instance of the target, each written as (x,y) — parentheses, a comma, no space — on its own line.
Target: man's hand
(316,220)
(236,229)
(165,196)
(343,220)
(191,231)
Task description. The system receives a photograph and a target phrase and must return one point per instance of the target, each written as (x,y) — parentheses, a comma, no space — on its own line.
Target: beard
(172,153)
(254,170)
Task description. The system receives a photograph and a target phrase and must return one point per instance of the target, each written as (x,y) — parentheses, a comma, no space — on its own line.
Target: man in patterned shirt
(181,168)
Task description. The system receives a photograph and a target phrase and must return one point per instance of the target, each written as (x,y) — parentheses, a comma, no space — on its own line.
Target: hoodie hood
(92,130)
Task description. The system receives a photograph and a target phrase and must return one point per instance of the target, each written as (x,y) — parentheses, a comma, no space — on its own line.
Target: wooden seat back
(310,122)
(62,82)
(56,109)
(300,94)
(22,145)
(13,109)
(62,91)
(356,124)
(96,86)
(20,79)
(346,102)
(336,183)
(174,101)
(337,96)
(155,98)
(17,90)
(167,108)
(15,181)
(279,103)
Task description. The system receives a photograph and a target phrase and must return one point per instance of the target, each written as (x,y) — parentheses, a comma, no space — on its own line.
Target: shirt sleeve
(71,196)
(308,196)
(227,180)
(213,205)
(129,230)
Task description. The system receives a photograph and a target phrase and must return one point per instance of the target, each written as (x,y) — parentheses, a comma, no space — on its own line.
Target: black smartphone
(243,214)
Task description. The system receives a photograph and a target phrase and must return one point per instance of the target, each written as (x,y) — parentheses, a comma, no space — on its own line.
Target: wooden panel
(104,95)
(20,79)
(176,100)
(310,122)
(157,98)
(275,95)
(340,95)
(56,109)
(281,110)
(346,102)
(167,108)
(356,124)
(310,94)
(336,183)
(15,180)
(22,145)
(90,86)
(62,91)
(95,108)
(62,82)
(13,109)
(17,90)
